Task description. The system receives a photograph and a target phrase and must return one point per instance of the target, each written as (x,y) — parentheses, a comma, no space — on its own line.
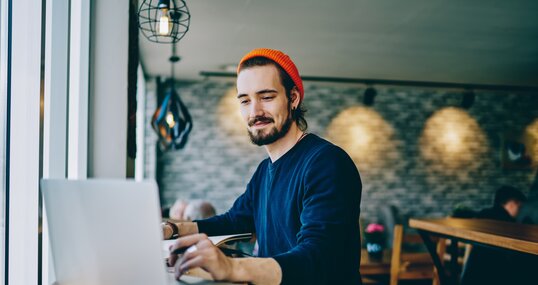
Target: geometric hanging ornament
(164,21)
(172,121)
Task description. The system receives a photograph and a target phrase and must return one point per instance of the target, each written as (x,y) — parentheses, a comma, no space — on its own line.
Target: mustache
(260,119)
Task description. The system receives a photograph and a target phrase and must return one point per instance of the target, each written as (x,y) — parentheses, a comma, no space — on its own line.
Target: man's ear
(295,97)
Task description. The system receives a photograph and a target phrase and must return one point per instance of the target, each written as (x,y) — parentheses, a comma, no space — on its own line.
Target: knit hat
(281,59)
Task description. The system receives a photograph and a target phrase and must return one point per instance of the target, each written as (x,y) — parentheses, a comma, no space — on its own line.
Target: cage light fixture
(164,21)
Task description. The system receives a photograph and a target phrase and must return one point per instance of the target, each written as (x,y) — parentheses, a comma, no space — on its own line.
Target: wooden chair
(441,251)
(409,266)
(463,253)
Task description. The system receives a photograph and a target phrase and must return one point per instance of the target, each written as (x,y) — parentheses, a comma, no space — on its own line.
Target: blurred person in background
(175,212)
(198,210)
(493,266)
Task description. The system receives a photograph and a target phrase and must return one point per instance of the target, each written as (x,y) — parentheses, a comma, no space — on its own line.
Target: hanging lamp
(164,21)
(172,121)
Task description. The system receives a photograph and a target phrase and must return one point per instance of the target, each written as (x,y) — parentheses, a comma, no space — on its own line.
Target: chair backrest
(396,253)
(416,265)
(445,255)
(441,251)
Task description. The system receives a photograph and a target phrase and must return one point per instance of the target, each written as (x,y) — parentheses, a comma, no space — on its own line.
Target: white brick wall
(216,164)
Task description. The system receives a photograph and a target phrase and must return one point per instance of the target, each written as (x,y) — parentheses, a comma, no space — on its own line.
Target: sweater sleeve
(328,243)
(239,219)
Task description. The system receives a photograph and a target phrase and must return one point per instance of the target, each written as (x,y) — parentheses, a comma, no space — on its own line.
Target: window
(34,75)
(3,116)
(20,79)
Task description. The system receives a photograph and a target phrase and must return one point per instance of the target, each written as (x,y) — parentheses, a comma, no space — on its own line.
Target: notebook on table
(220,241)
(107,232)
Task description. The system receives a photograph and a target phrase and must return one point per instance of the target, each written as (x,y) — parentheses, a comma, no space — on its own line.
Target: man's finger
(178,272)
(206,243)
(194,262)
(182,244)
(186,241)
(191,252)
(172,260)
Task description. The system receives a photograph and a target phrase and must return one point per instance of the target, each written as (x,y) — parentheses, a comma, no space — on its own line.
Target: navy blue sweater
(304,209)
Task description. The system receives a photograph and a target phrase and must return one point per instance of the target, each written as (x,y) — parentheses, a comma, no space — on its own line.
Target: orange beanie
(281,59)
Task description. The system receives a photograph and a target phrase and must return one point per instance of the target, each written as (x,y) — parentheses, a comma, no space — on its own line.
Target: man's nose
(255,109)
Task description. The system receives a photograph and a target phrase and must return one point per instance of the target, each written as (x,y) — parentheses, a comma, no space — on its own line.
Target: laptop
(107,232)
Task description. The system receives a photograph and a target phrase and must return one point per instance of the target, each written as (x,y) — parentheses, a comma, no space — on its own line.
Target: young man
(492,266)
(506,204)
(303,202)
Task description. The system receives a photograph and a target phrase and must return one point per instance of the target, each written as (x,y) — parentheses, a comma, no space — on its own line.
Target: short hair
(506,193)
(198,210)
(286,81)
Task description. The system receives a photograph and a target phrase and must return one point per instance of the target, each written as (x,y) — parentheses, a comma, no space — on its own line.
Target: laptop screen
(105,231)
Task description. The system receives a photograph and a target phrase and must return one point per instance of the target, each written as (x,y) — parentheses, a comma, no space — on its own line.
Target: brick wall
(403,160)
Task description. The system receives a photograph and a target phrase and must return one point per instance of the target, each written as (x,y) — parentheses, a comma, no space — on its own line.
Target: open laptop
(107,232)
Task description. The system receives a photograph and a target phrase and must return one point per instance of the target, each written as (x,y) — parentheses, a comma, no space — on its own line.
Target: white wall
(140,124)
(108,89)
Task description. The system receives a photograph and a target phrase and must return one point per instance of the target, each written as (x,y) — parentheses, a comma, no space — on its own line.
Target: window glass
(2,180)
(3,114)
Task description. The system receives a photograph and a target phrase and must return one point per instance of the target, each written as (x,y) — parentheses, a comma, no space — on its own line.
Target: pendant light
(164,21)
(172,121)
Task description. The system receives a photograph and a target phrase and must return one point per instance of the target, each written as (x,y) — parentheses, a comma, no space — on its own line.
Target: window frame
(23,140)
(47,120)
(3,136)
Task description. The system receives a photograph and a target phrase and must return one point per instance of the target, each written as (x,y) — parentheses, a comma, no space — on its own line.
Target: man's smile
(260,122)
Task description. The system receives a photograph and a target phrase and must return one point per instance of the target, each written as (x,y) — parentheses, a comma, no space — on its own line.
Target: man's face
(263,104)
(512,207)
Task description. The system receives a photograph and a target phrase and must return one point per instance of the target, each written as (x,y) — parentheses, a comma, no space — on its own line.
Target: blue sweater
(304,209)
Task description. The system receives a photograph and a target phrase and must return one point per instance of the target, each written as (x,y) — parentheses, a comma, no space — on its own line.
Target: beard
(258,138)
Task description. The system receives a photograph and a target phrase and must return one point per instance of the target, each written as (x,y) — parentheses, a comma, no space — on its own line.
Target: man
(198,209)
(177,210)
(506,204)
(492,266)
(303,202)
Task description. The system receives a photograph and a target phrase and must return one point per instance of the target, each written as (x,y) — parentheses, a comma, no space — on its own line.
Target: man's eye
(267,98)
(243,102)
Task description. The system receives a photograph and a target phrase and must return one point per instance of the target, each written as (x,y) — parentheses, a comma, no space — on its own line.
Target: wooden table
(498,234)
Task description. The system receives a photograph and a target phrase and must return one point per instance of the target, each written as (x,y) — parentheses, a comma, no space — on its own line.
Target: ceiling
(481,41)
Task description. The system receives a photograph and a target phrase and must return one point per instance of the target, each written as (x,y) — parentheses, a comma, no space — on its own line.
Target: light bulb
(164,25)
(170,120)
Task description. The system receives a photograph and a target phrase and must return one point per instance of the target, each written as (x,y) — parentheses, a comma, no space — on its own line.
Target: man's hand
(184,228)
(200,252)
